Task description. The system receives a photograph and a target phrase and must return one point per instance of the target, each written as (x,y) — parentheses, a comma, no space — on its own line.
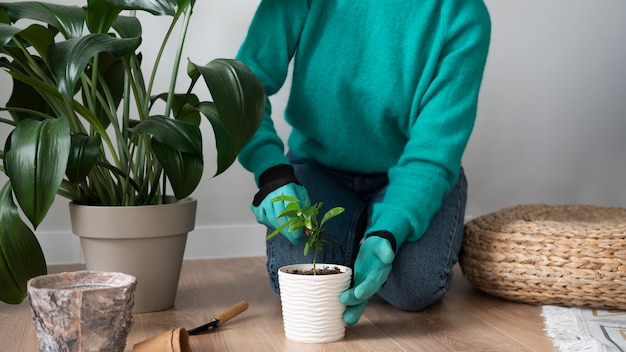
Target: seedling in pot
(305,217)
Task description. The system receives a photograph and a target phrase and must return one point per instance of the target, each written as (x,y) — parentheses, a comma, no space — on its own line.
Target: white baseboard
(226,242)
(203,242)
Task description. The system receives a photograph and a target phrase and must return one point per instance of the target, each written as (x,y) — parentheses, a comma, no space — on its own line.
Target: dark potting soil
(327,270)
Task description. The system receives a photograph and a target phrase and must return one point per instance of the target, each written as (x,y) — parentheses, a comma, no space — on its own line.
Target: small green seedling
(305,217)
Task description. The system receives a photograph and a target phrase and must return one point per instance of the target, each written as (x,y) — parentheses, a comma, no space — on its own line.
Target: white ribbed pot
(82,311)
(312,312)
(147,242)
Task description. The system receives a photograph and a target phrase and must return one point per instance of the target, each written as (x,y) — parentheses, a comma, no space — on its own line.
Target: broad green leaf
(4,18)
(36,163)
(25,96)
(100,15)
(184,107)
(7,33)
(31,88)
(177,135)
(112,76)
(239,99)
(128,27)
(69,20)
(184,170)
(230,82)
(21,257)
(69,59)
(156,7)
(39,37)
(84,153)
(7,147)
(227,149)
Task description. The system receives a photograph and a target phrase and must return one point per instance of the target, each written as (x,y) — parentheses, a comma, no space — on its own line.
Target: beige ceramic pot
(312,312)
(147,242)
(82,311)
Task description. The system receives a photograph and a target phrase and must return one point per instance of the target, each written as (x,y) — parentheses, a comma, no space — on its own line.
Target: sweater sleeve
(270,44)
(430,164)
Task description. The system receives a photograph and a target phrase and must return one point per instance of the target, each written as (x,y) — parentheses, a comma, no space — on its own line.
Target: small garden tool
(220,318)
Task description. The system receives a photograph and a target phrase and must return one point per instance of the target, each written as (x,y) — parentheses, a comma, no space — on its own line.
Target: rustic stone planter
(82,311)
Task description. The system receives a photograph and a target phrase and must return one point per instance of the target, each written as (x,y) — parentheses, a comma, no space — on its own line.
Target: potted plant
(309,293)
(85,124)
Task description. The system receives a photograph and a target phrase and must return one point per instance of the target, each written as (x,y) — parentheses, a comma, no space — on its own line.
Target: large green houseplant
(83,123)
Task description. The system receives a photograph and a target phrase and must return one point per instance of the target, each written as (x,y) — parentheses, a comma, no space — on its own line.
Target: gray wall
(551,120)
(552,116)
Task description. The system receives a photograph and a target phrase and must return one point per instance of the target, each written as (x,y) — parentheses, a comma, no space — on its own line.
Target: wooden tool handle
(232,312)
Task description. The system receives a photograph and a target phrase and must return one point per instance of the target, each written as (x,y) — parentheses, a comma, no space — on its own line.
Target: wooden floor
(465,320)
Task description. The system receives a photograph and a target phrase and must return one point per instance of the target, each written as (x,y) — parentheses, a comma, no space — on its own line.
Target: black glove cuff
(386,235)
(273,178)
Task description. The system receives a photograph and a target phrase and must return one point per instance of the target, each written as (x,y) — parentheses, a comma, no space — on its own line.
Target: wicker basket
(568,255)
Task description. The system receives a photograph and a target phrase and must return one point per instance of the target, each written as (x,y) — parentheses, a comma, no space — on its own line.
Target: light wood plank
(520,322)
(14,320)
(465,320)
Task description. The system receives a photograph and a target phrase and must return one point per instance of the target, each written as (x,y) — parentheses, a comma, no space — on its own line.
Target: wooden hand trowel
(220,319)
(177,340)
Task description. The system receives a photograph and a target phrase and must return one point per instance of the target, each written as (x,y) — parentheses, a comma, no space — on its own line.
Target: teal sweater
(378,86)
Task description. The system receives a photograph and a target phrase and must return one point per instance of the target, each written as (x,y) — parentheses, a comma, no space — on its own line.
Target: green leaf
(25,96)
(7,33)
(155,7)
(296,224)
(83,156)
(67,19)
(175,134)
(331,214)
(21,257)
(309,243)
(290,210)
(227,150)
(184,107)
(69,59)
(36,163)
(184,170)
(178,147)
(277,230)
(239,99)
(7,147)
(39,37)
(112,75)
(128,27)
(100,15)
(4,18)
(287,199)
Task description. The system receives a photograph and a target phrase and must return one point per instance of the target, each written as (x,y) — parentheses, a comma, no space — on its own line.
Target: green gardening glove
(278,181)
(371,270)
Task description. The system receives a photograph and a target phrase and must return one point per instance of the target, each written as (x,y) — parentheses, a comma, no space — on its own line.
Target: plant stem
(177,59)
(11,122)
(157,60)
(315,261)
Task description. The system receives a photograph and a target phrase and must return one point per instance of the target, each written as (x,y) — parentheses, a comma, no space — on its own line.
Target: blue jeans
(422,270)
